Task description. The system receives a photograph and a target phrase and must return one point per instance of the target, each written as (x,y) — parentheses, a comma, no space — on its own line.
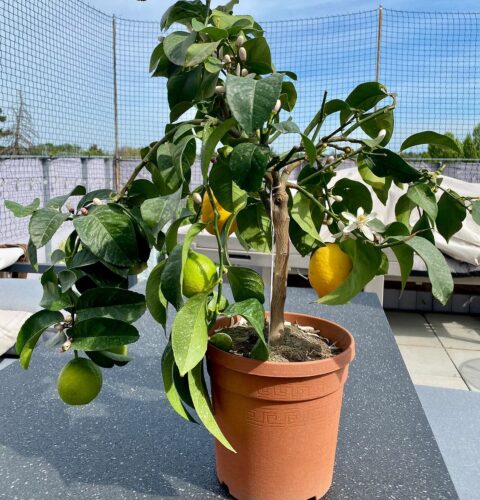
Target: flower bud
(97,201)
(68,318)
(277,106)
(330,159)
(244,72)
(71,210)
(242,54)
(84,211)
(329,221)
(238,70)
(197,199)
(220,89)
(338,198)
(66,345)
(381,134)
(240,41)
(226,59)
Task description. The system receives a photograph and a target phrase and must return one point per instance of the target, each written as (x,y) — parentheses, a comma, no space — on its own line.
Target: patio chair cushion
(10,323)
(9,256)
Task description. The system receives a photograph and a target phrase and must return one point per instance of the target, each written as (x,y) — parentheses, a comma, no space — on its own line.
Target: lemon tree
(218,67)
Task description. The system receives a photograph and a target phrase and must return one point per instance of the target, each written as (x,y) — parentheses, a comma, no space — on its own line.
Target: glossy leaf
(429,137)
(254,228)
(168,365)
(198,52)
(421,195)
(44,223)
(304,212)
(202,405)
(183,12)
(252,101)
(32,254)
(354,194)
(114,303)
(248,163)
(20,210)
(171,283)
(157,212)
(373,127)
(228,194)
(211,143)
(101,194)
(156,301)
(364,97)
(58,201)
(246,284)
(176,45)
(190,333)
(288,96)
(53,299)
(109,234)
(438,270)
(101,334)
(402,252)
(380,185)
(31,331)
(259,59)
(386,163)
(451,214)
(67,278)
(366,260)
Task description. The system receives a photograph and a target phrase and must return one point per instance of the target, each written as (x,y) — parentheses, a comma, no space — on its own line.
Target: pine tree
(469,148)
(22,133)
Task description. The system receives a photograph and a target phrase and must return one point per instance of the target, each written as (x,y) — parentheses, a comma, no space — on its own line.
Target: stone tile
(456,332)
(468,364)
(428,361)
(412,329)
(439,381)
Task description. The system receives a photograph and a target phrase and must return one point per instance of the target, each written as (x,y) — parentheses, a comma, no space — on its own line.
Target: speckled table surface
(129,444)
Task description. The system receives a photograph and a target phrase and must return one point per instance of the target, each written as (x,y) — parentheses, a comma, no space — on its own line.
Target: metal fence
(74,83)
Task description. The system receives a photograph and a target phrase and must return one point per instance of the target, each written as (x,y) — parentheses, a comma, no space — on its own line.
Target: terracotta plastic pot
(281,418)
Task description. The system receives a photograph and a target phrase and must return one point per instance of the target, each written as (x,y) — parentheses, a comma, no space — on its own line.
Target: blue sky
(267,10)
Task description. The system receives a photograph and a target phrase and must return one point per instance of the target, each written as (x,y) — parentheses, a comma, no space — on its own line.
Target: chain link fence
(77,102)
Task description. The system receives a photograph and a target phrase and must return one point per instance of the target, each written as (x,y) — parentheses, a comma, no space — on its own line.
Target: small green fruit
(222,340)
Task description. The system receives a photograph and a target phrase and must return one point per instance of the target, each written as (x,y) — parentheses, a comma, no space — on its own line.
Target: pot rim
(285,369)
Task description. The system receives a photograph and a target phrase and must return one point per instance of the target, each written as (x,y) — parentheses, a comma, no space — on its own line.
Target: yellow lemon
(207,215)
(199,274)
(329,268)
(79,382)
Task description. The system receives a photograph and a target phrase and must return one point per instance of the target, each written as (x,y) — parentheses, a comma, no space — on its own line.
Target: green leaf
(254,228)
(228,194)
(421,195)
(213,65)
(248,163)
(183,12)
(156,301)
(101,334)
(44,224)
(476,211)
(386,163)
(310,149)
(403,253)
(246,284)
(259,59)
(252,101)
(190,333)
(101,194)
(451,214)
(202,405)
(403,210)
(57,256)
(334,106)
(141,190)
(429,137)
(31,331)
(211,143)
(288,96)
(157,212)
(373,127)
(109,234)
(168,365)
(366,260)
(354,194)
(302,241)
(68,278)
(198,52)
(171,283)
(184,87)
(114,303)
(176,46)
(20,210)
(53,298)
(82,259)
(437,267)
(287,127)
(32,254)
(424,227)
(304,212)
(58,201)
(364,97)
(252,310)
(380,185)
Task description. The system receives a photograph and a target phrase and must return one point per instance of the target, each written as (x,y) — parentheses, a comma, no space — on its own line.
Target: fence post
(116,159)
(46,165)
(84,163)
(379,43)
(108,171)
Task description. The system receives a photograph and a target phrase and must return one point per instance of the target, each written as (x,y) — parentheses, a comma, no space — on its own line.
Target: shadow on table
(129,438)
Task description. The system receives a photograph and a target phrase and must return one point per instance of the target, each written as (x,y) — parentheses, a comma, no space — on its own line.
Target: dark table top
(129,444)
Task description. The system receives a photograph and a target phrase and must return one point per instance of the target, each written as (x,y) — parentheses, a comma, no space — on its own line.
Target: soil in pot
(300,343)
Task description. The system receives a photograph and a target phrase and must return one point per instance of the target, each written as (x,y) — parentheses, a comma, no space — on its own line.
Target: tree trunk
(280,220)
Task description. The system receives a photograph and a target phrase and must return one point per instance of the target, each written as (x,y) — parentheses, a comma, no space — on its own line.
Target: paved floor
(440,350)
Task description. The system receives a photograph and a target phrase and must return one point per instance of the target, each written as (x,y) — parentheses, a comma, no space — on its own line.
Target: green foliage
(219,67)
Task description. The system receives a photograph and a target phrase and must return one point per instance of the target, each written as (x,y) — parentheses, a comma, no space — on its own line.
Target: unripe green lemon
(199,274)
(222,340)
(79,382)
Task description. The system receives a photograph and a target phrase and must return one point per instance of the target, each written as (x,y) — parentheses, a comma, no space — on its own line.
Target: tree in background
(23,133)
(469,147)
